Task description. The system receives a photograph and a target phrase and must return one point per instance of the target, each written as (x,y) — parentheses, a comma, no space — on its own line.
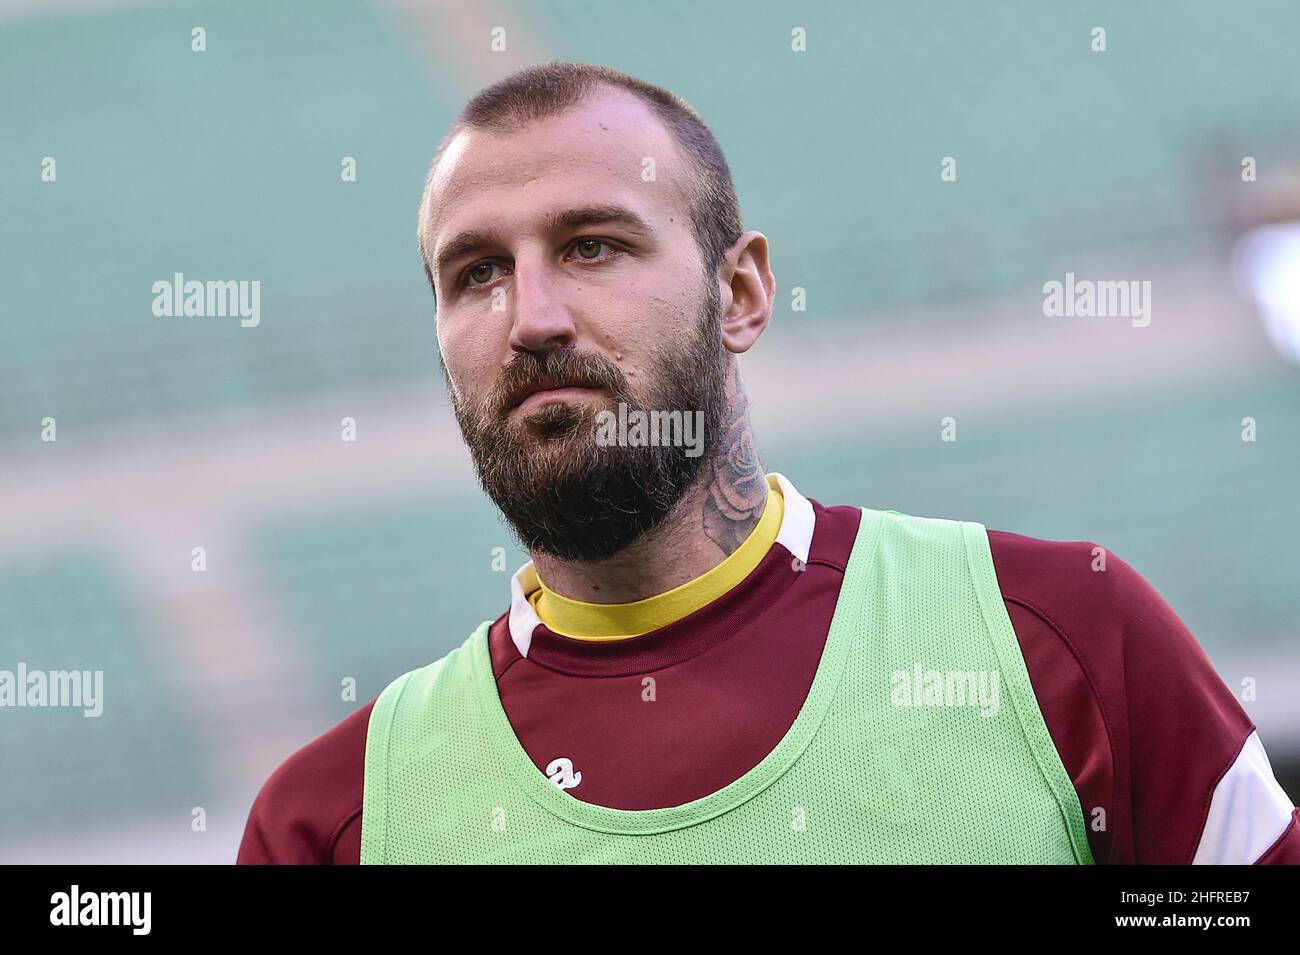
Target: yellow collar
(601,622)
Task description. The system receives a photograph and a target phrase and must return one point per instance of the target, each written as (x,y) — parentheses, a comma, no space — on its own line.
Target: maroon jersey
(1122,685)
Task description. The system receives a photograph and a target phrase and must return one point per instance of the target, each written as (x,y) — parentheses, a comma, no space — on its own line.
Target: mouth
(547,391)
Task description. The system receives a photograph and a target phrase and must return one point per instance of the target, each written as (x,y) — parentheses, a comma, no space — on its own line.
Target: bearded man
(699,663)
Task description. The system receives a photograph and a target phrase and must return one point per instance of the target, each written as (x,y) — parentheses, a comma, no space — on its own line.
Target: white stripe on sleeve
(1248,812)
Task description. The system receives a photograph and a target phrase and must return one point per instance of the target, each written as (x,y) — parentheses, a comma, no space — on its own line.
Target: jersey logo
(560,771)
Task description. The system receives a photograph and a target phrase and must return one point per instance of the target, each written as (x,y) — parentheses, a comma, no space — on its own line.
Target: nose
(541,320)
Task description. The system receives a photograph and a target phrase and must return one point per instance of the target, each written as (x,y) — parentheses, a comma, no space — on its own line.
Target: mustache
(567,365)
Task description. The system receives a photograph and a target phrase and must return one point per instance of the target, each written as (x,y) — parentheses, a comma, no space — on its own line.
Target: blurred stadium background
(329,560)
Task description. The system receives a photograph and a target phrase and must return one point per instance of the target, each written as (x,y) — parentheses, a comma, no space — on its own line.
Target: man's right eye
(478,274)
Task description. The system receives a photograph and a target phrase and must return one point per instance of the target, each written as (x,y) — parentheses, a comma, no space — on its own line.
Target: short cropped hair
(538,92)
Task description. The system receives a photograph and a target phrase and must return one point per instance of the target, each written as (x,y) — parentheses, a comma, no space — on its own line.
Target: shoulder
(1157,744)
(303,813)
(1073,579)
(308,812)
(1111,620)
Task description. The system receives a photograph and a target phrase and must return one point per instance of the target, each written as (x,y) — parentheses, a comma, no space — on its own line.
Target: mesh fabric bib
(893,758)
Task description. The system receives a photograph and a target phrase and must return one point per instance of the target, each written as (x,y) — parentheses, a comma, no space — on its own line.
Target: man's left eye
(589,248)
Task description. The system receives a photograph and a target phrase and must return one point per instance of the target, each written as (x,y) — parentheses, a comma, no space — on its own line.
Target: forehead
(592,153)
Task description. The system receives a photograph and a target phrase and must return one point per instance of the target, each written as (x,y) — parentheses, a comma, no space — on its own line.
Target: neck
(704,527)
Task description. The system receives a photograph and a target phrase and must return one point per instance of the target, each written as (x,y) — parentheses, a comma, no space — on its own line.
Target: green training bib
(920,741)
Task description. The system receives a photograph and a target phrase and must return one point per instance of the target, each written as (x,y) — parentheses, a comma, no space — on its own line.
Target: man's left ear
(745,271)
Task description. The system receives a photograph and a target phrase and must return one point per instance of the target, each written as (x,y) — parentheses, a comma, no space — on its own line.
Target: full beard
(563,493)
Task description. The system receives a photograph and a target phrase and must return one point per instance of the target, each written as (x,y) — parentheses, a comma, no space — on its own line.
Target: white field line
(456,38)
(1005,358)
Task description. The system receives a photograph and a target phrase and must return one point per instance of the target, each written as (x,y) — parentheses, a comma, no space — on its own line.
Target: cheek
(469,360)
(643,331)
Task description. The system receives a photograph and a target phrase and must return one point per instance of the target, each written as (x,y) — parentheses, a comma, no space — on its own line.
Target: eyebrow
(469,241)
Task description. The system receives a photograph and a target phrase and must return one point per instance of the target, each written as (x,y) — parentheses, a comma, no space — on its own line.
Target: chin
(558,422)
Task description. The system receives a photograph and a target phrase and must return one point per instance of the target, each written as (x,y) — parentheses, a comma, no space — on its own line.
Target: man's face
(568,281)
